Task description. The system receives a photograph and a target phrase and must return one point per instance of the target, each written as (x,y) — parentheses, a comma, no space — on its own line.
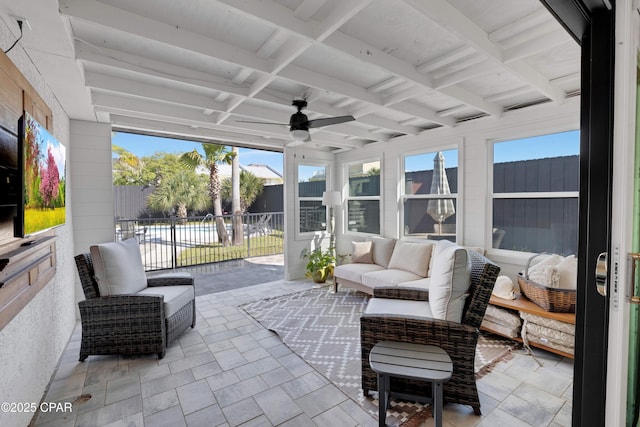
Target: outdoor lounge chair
(262,226)
(126,312)
(457,339)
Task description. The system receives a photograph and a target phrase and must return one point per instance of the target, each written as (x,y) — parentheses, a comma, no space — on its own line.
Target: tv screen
(42,162)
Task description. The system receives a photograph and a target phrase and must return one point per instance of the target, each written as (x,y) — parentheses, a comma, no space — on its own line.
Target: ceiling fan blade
(329,121)
(262,123)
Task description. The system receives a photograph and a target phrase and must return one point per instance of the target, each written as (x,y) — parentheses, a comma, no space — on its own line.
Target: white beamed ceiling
(195,69)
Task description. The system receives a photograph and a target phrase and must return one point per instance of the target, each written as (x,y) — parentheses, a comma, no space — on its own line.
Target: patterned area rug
(324,329)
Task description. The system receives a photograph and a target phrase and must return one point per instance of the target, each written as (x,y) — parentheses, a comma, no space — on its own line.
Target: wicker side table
(414,361)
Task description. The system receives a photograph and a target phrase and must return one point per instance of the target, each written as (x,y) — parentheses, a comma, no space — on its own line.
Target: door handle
(601,274)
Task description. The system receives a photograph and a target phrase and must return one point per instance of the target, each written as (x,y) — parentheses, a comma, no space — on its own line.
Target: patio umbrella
(440,209)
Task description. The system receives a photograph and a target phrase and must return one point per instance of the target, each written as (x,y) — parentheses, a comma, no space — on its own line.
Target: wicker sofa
(126,312)
(406,314)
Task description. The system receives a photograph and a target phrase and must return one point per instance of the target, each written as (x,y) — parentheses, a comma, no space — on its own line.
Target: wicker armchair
(129,324)
(457,339)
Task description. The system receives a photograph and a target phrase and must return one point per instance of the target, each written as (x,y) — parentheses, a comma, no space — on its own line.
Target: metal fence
(175,242)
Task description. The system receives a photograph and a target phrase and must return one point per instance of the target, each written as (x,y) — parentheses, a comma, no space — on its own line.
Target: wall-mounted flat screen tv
(42,163)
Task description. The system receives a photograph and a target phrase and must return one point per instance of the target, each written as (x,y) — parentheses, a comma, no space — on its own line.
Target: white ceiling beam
(143,66)
(389,63)
(102,14)
(340,14)
(320,81)
(459,65)
(402,95)
(308,8)
(121,122)
(531,34)
(174,73)
(446,59)
(368,117)
(108,83)
(347,44)
(451,111)
(535,46)
(569,78)
(509,93)
(385,84)
(170,114)
(476,70)
(532,20)
(272,44)
(424,112)
(452,19)
(373,120)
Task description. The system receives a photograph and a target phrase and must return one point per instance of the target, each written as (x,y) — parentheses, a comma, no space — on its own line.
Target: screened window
(363,200)
(535,193)
(430,194)
(312,182)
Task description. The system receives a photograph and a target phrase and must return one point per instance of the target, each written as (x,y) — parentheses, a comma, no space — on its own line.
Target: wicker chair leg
(161,354)
(476,410)
(83,357)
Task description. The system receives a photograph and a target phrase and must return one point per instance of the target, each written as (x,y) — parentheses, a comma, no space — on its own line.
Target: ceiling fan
(299,124)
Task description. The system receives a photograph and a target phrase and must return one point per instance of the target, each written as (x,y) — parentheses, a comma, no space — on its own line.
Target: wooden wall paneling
(24,270)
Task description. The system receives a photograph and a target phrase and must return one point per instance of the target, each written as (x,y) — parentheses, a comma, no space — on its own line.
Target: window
(535,193)
(312,182)
(363,199)
(429,195)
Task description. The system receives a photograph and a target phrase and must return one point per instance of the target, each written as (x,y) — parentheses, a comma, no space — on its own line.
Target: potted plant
(319,264)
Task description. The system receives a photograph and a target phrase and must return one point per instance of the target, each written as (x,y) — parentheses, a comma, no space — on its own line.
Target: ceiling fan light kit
(299,134)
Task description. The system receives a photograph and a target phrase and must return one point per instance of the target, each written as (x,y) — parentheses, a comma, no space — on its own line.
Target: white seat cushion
(388,277)
(450,280)
(175,297)
(422,284)
(354,272)
(118,267)
(402,307)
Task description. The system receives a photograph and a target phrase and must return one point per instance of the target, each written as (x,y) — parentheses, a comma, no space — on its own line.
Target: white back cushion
(413,257)
(118,267)
(450,279)
(361,253)
(382,250)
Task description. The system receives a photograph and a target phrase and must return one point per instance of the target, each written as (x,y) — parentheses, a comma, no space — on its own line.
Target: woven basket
(555,300)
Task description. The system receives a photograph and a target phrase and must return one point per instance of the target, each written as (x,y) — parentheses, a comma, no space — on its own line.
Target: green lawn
(258,245)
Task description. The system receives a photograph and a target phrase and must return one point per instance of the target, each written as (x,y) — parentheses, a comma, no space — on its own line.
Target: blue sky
(145,145)
(554,145)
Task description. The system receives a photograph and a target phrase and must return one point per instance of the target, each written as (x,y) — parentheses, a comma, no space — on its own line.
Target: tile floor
(230,371)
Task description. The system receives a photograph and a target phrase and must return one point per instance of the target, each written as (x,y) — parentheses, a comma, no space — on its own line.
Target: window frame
(454,196)
(348,197)
(492,196)
(327,170)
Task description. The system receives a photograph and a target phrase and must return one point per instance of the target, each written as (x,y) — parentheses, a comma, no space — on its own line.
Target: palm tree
(181,190)
(213,155)
(250,188)
(238,235)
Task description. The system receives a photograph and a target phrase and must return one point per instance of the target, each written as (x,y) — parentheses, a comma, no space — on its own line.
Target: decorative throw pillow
(361,253)
(413,257)
(118,267)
